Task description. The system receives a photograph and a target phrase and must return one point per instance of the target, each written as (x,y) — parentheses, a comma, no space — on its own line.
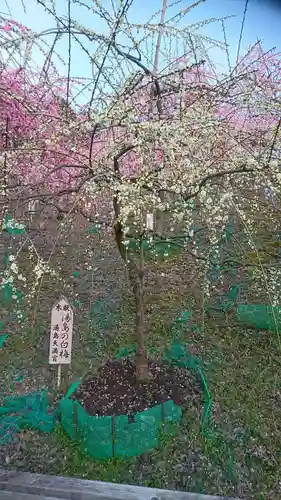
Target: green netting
(108,437)
(225,303)
(76,303)
(6,293)
(229,229)
(11,226)
(184,317)
(216,256)
(217,271)
(181,357)
(260,316)
(8,428)
(29,410)
(2,340)
(73,388)
(144,433)
(93,229)
(99,316)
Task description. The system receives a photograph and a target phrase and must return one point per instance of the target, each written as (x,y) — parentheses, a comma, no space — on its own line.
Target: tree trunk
(141,360)
(136,278)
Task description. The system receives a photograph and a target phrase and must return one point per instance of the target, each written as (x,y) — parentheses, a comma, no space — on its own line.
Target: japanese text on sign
(61,333)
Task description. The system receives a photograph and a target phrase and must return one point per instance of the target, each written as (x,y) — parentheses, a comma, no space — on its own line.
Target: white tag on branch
(149,222)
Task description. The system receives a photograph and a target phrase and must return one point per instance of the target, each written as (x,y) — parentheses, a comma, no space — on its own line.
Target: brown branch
(147,71)
(218,175)
(63,192)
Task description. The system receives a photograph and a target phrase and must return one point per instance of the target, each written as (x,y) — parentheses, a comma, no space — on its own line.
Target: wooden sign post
(61,335)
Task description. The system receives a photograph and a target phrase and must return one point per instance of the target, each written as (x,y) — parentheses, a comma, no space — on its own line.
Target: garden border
(110,437)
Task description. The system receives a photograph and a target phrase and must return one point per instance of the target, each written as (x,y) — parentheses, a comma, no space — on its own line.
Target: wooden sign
(61,333)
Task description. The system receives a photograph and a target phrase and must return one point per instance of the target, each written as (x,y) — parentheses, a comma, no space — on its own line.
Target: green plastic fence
(102,437)
(260,316)
(180,356)
(108,437)
(226,302)
(2,339)
(11,226)
(29,410)
(168,247)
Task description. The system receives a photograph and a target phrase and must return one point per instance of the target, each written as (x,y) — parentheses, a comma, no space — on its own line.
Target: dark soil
(115,390)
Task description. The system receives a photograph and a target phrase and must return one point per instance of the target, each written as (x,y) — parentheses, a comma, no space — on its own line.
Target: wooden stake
(113,435)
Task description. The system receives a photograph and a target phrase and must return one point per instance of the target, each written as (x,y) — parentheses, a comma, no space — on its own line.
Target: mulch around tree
(115,390)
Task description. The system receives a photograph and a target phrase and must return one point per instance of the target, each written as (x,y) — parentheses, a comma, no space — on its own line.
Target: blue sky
(263,21)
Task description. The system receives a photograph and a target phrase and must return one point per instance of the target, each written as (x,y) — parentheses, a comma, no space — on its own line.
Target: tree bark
(136,278)
(141,360)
